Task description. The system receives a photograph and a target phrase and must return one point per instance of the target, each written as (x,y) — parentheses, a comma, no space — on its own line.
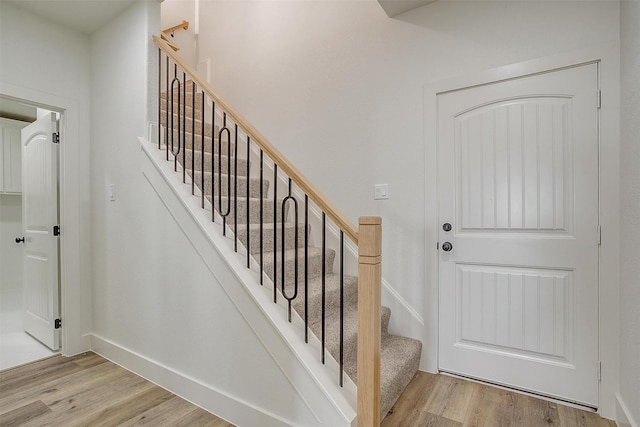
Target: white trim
(190,389)
(623,414)
(608,57)
(73,294)
(315,384)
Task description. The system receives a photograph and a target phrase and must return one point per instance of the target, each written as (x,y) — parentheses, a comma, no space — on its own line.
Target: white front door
(39,216)
(518,271)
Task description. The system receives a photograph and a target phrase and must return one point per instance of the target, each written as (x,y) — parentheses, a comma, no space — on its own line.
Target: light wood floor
(88,390)
(444,401)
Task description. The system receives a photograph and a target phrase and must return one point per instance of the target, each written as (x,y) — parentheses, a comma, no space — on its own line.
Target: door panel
(521,311)
(40,214)
(515,163)
(518,180)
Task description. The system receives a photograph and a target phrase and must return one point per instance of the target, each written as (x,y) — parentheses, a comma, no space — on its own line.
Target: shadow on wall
(492,23)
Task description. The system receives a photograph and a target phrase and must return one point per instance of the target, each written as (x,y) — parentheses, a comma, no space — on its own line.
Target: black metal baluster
(341,308)
(213,161)
(224,213)
(172,113)
(275,235)
(184,128)
(295,260)
(202,156)
(324,244)
(166,124)
(247,201)
(159,96)
(235,187)
(261,215)
(193,138)
(175,153)
(306,268)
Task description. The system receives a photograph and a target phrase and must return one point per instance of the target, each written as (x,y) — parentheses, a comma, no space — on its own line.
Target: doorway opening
(17,346)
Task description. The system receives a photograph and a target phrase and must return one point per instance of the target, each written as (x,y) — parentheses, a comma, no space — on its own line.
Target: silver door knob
(447,246)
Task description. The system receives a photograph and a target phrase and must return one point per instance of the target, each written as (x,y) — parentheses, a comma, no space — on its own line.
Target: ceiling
(85,16)
(88,16)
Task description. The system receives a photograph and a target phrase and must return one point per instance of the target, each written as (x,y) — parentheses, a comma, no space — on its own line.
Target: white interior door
(518,183)
(39,216)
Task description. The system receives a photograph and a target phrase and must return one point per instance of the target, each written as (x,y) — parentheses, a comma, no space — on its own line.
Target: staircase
(225,171)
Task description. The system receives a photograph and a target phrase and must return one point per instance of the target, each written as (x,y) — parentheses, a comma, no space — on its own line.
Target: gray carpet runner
(400,356)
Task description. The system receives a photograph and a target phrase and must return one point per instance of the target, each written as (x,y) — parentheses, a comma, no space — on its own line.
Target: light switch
(381,192)
(112,192)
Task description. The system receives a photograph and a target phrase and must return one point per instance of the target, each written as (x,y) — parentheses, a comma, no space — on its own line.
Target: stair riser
(242,163)
(225,189)
(314,268)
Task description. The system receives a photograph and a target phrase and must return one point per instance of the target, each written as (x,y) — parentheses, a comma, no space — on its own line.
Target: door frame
(75,289)
(608,57)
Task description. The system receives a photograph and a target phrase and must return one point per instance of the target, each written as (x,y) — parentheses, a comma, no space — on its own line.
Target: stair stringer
(325,402)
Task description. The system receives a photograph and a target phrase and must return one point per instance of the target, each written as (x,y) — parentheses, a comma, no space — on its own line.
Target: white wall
(47,64)
(173,12)
(630,211)
(336,84)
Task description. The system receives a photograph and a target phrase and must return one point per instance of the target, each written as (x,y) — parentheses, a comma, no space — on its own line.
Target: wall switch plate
(381,192)
(112,192)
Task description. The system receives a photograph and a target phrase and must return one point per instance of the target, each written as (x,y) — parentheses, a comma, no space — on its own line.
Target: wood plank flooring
(87,390)
(444,401)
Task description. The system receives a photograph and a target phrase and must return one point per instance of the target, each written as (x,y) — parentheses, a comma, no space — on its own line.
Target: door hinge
(599,99)
(56,137)
(57,323)
(56,230)
(599,367)
(599,235)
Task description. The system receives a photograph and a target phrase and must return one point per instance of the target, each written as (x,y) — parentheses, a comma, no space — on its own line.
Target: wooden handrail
(183,26)
(165,34)
(169,42)
(283,163)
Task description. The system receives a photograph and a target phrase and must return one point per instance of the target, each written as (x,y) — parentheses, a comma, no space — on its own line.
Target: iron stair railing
(179,89)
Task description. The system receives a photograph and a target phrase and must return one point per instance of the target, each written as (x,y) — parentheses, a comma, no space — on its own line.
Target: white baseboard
(623,415)
(190,389)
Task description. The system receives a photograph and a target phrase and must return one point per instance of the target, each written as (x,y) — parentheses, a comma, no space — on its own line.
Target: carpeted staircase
(400,356)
